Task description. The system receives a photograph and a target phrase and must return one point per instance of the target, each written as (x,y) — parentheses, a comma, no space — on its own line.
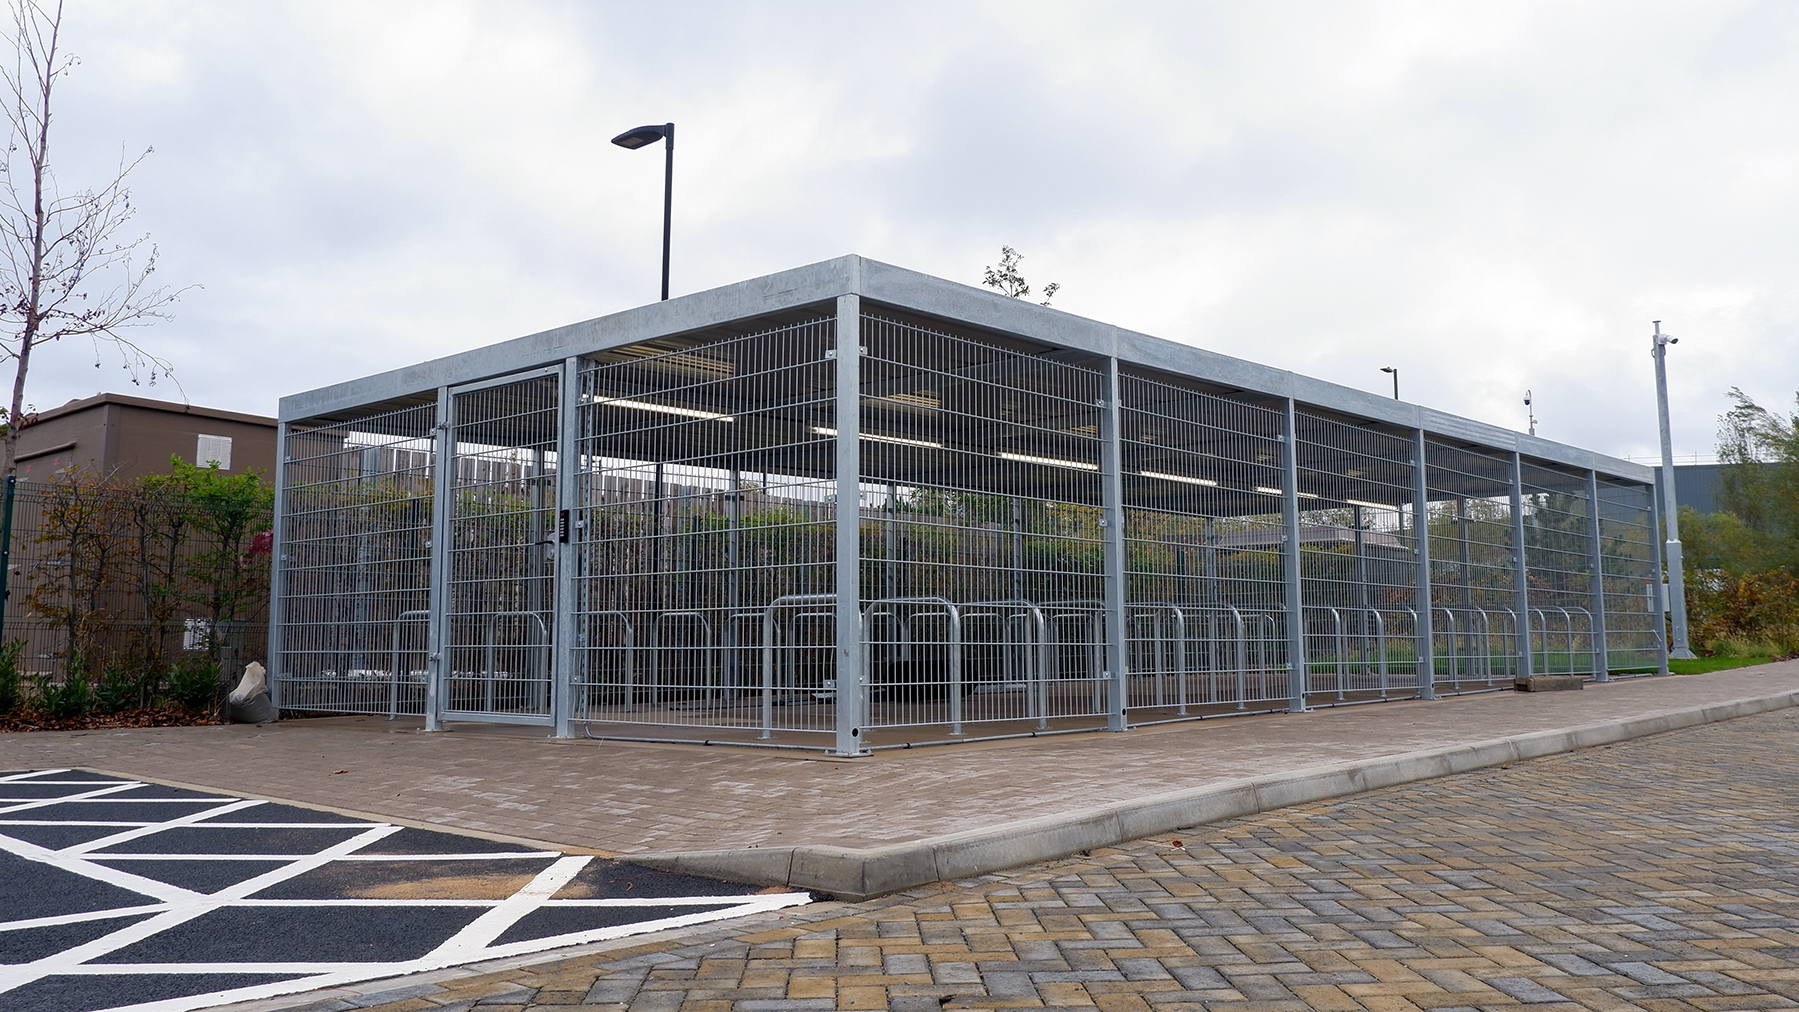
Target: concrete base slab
(861,873)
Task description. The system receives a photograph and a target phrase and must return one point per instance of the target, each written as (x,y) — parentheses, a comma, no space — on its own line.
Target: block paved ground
(634,798)
(1659,874)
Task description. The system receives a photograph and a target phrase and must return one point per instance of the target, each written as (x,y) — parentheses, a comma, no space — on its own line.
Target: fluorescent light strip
(666,409)
(1265,490)
(871,437)
(1177,477)
(1023,459)
(1307,495)
(1370,505)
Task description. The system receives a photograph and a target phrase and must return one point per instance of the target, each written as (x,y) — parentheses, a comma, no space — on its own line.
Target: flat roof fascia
(930,296)
(933,296)
(150,404)
(773,293)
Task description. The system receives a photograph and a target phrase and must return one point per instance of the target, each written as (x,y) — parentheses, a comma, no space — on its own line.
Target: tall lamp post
(1395,371)
(644,136)
(1677,584)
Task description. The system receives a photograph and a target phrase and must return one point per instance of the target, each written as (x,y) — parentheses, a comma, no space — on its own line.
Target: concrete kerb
(862,873)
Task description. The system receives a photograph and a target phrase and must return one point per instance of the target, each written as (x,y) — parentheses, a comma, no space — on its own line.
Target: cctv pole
(1677,585)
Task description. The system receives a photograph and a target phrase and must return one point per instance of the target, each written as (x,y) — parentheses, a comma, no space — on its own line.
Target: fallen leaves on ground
(154,716)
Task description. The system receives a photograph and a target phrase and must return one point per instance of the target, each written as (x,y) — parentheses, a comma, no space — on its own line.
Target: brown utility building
(128,436)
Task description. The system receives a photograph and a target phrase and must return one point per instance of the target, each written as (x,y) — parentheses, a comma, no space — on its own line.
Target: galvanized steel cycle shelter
(850,506)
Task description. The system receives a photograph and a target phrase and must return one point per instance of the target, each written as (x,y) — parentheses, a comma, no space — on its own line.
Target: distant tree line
(1742,561)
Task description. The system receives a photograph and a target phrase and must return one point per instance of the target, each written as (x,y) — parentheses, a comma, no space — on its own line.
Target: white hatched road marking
(474,941)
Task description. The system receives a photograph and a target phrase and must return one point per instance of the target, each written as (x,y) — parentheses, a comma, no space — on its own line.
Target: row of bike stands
(1231,655)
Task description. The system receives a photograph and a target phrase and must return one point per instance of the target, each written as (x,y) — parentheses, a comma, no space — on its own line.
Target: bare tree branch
(68,267)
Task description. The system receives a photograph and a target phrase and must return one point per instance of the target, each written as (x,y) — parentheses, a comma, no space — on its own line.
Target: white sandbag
(249,702)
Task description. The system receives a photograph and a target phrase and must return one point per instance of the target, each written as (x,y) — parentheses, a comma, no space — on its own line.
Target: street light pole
(1677,588)
(641,137)
(1395,371)
(668,199)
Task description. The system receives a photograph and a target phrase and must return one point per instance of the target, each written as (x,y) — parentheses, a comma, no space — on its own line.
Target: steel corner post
(437,634)
(1115,580)
(852,660)
(1660,618)
(567,546)
(1427,656)
(277,568)
(1596,545)
(1293,586)
(1521,570)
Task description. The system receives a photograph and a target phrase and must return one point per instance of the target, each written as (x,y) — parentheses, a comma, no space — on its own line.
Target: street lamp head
(1389,368)
(643,136)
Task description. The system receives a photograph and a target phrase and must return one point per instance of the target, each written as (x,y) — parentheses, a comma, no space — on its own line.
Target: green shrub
(12,688)
(119,688)
(194,684)
(66,701)
(1741,648)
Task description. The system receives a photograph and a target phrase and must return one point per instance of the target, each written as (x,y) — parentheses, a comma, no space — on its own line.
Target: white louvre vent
(213,449)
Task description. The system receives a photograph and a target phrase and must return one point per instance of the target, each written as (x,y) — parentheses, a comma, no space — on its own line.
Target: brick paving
(625,798)
(1659,874)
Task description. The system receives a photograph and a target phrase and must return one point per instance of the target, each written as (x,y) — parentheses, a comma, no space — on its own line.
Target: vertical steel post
(1658,621)
(1521,569)
(567,545)
(437,633)
(1211,562)
(733,581)
(851,651)
(1294,588)
(1602,658)
(277,568)
(1427,645)
(890,544)
(1461,533)
(1111,468)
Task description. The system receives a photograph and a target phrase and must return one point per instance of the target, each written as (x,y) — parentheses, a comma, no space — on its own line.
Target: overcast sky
(1491,197)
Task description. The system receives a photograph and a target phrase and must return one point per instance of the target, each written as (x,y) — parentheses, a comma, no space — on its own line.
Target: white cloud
(1491,197)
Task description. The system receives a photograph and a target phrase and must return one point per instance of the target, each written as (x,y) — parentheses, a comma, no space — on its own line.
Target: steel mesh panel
(703,595)
(980,536)
(1634,625)
(355,575)
(1474,614)
(1558,551)
(1205,620)
(1358,552)
(500,596)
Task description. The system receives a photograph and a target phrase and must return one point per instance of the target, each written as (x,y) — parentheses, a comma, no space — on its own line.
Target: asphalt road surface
(117,893)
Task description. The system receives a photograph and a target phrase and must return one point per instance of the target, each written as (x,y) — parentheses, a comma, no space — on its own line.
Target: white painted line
(10,778)
(111,876)
(93,915)
(484,929)
(143,831)
(78,799)
(664,901)
(539,854)
(47,802)
(762,904)
(474,942)
(186,909)
(71,822)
